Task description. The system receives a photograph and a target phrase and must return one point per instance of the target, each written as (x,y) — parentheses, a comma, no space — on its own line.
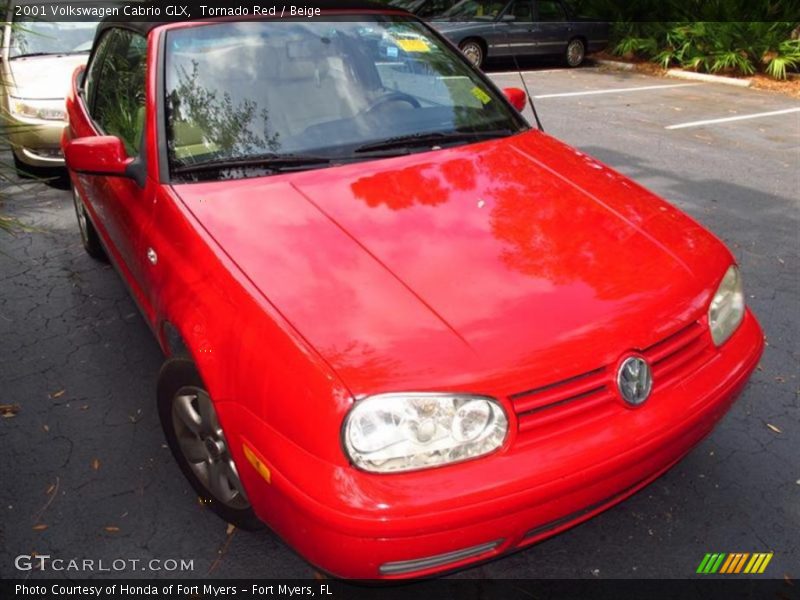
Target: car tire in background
(89,237)
(575,53)
(199,445)
(473,50)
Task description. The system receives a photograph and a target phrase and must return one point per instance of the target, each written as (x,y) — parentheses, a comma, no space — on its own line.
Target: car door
(552,28)
(114,93)
(516,34)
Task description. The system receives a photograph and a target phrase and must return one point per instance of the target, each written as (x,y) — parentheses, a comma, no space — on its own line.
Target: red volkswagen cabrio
(403,329)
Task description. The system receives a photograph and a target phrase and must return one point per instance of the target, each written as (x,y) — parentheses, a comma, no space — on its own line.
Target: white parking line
(738,118)
(618,90)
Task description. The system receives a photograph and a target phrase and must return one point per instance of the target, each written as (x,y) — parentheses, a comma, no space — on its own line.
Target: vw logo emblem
(634,380)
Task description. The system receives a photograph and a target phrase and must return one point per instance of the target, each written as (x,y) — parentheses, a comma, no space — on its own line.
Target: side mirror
(508,18)
(98,155)
(517,97)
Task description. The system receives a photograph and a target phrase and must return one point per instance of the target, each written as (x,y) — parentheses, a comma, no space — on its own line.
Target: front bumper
(35,143)
(367,526)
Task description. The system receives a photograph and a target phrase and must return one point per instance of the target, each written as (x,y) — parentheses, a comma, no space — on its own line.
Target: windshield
(476,9)
(333,89)
(30,37)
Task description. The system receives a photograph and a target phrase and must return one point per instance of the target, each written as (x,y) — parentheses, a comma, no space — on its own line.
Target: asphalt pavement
(85,471)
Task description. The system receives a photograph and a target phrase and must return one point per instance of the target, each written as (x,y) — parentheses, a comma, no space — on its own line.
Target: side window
(118,106)
(92,72)
(522,10)
(427,9)
(550,10)
(432,8)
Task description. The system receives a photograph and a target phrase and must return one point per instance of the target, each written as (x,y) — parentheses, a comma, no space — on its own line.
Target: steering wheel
(393,97)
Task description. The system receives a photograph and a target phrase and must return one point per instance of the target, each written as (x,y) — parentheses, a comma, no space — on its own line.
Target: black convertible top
(144,27)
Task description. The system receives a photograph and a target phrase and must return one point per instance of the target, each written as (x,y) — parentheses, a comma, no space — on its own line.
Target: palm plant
(734,47)
(729,36)
(787,57)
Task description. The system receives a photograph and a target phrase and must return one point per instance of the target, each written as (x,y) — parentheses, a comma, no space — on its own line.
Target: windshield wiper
(434,138)
(277,162)
(274,162)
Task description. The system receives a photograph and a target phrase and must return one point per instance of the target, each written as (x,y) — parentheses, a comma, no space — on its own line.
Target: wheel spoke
(193,449)
(233,476)
(208,417)
(218,482)
(183,407)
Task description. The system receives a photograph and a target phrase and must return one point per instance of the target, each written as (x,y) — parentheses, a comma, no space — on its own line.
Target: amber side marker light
(257,463)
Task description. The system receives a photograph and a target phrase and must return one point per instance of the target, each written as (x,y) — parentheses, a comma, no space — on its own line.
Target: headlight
(727,308)
(404,432)
(45,110)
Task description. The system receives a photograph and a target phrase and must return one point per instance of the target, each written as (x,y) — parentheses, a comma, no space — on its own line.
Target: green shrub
(715,36)
(732,47)
(787,58)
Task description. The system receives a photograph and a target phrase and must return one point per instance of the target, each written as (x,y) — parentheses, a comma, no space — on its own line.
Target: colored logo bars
(741,562)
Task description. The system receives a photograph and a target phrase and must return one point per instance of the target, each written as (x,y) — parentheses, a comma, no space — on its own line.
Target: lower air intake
(409,566)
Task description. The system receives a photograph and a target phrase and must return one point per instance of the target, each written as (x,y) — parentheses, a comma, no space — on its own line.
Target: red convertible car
(402,328)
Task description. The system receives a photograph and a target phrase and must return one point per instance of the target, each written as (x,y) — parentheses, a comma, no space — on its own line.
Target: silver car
(38,61)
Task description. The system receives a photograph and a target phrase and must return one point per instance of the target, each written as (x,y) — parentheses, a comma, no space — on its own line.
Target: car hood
(44,77)
(466,267)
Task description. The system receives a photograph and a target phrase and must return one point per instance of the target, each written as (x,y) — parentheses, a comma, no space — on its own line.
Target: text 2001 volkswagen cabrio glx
(402,328)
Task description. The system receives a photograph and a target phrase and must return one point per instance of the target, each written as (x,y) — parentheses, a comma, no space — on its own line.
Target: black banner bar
(183,10)
(711,588)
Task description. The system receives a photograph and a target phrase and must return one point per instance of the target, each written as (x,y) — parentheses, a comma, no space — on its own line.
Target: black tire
(177,380)
(473,50)
(89,238)
(575,53)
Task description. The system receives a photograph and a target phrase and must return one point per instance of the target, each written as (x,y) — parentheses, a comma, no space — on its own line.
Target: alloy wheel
(575,53)
(80,212)
(473,52)
(205,448)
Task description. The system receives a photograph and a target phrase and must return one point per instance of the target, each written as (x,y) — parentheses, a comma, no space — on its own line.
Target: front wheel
(473,51)
(575,53)
(89,238)
(199,445)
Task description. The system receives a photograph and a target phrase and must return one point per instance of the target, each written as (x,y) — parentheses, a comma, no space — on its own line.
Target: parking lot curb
(680,74)
(614,64)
